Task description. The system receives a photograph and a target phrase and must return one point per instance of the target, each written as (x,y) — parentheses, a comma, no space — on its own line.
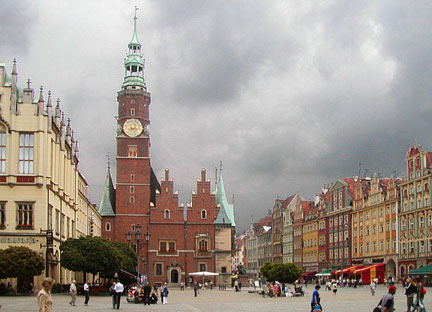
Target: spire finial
(28,83)
(135,17)
(108,161)
(14,67)
(41,96)
(220,167)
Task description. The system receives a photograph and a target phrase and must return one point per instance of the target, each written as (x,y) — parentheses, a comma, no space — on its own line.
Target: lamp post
(147,238)
(137,237)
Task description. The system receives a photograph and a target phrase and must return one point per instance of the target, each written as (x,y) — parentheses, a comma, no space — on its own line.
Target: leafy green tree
(281,272)
(20,262)
(128,257)
(89,254)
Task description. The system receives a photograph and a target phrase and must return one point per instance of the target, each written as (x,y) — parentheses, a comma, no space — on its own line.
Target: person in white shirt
(86,292)
(73,292)
(118,288)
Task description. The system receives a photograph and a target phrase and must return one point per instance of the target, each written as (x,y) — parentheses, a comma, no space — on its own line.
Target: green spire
(134,63)
(134,41)
(226,210)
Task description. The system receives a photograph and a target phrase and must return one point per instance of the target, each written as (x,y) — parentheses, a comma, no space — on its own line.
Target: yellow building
(310,241)
(374,223)
(41,187)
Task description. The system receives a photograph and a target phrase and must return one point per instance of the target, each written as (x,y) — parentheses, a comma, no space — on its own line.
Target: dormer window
(203,214)
(167,214)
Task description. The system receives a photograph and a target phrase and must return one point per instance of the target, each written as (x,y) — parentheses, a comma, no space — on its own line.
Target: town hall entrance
(174,276)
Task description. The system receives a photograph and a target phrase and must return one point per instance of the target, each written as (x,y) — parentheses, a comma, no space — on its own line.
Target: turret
(41,103)
(57,117)
(28,94)
(69,132)
(49,111)
(14,89)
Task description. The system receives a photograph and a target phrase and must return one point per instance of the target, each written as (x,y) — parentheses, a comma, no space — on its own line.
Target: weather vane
(136,9)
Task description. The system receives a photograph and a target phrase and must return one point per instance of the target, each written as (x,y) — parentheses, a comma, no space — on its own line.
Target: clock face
(132,127)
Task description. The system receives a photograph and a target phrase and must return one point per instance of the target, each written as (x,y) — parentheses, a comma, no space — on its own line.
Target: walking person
(86,289)
(372,288)
(147,291)
(118,288)
(73,292)
(44,296)
(410,290)
(164,292)
(387,301)
(334,288)
(316,300)
(195,286)
(420,293)
(113,294)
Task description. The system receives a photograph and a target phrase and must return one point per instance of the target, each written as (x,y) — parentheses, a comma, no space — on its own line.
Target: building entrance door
(174,276)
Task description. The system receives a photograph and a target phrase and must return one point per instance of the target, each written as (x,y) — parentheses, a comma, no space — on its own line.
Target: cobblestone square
(347,299)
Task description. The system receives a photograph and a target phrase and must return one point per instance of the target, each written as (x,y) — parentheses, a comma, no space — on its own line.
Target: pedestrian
(316,300)
(147,291)
(113,294)
(236,286)
(118,288)
(195,286)
(334,288)
(410,290)
(361,282)
(182,286)
(372,287)
(73,292)
(420,293)
(211,285)
(44,296)
(387,301)
(164,293)
(240,285)
(86,292)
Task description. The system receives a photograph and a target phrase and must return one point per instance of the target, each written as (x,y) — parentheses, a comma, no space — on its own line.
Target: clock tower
(134,173)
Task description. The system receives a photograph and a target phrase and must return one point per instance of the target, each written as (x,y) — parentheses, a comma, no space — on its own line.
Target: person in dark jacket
(147,291)
(410,290)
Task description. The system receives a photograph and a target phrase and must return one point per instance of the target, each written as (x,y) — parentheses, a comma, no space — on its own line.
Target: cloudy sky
(290,95)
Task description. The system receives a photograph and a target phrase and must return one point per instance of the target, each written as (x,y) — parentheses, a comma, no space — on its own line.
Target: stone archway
(174,276)
(390,269)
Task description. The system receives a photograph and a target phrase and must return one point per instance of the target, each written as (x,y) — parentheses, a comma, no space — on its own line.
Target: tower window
(203,214)
(132,199)
(132,177)
(132,111)
(132,151)
(132,189)
(107,226)
(167,214)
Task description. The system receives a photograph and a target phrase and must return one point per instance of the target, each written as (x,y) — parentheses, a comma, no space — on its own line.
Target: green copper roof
(134,41)
(226,210)
(107,203)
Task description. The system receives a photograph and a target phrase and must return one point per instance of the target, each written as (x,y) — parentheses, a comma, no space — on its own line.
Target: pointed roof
(107,203)
(226,210)
(134,41)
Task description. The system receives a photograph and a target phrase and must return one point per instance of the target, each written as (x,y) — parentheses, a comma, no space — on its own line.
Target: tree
(128,257)
(20,262)
(89,254)
(281,272)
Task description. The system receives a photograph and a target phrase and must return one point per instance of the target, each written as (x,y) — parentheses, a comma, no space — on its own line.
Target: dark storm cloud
(290,95)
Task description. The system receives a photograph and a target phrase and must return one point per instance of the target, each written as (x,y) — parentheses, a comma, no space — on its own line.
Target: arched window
(107,226)
(202,245)
(167,214)
(203,214)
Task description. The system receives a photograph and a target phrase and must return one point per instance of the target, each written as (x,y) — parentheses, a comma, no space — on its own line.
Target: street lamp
(147,238)
(137,237)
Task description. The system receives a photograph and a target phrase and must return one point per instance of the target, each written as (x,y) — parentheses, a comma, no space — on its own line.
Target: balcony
(202,253)
(167,252)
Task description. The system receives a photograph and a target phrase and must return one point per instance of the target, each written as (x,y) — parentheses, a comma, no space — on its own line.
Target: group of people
(145,293)
(415,288)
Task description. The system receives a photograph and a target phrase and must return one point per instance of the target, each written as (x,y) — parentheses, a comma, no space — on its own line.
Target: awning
(377,265)
(309,274)
(204,274)
(350,269)
(426,270)
(324,273)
